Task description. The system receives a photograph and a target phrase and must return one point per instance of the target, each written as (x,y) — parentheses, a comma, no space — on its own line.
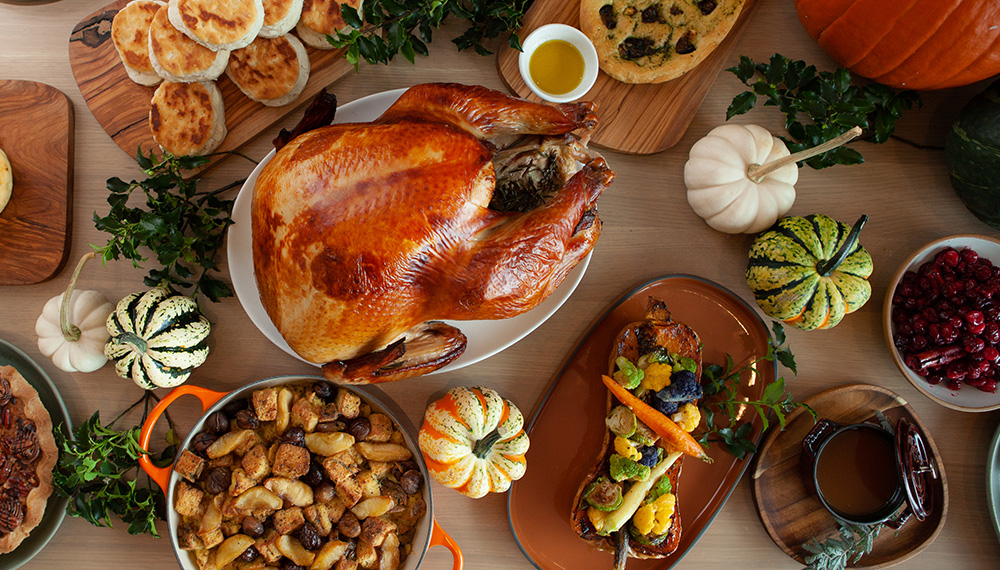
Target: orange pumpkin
(911,44)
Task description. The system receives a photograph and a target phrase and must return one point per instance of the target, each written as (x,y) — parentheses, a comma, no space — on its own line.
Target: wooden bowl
(969,398)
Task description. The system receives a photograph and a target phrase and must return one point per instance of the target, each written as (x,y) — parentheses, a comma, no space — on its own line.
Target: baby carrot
(672,435)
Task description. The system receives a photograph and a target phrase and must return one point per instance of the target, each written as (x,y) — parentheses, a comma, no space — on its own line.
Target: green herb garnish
(385,28)
(97,472)
(181,226)
(827,101)
(725,381)
(835,553)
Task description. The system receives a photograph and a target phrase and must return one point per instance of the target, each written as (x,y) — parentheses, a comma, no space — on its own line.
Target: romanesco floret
(623,468)
(687,417)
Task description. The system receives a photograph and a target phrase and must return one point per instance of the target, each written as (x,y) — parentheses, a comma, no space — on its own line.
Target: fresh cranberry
(954,385)
(956,371)
(992,332)
(973,344)
(988,386)
(969,256)
(935,378)
(948,257)
(977,329)
(991,354)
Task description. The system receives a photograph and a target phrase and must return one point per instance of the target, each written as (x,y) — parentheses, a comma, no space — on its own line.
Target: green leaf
(741,104)
(351,16)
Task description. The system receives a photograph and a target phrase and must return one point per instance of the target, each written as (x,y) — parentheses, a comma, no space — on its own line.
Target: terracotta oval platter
(567,427)
(788,506)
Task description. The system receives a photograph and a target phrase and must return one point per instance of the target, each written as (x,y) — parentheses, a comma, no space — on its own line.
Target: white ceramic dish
(559,32)
(968,399)
(485,338)
(427,534)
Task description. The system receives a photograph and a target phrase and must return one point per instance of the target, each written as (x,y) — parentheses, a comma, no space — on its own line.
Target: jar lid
(917,467)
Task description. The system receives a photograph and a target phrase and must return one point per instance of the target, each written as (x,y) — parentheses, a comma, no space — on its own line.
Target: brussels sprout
(621,421)
(603,494)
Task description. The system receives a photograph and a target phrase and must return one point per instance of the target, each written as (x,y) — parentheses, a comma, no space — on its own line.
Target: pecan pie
(27,455)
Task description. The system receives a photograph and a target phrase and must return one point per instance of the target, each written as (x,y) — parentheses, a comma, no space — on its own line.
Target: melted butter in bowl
(559,63)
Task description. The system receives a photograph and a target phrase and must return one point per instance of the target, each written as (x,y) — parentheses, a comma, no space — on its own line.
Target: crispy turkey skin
(367,234)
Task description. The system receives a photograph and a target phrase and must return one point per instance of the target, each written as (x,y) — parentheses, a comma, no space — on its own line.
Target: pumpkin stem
(485,445)
(70,331)
(825,268)
(131,338)
(757,172)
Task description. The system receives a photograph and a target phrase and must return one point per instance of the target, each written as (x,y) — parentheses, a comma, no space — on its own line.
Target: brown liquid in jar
(856,472)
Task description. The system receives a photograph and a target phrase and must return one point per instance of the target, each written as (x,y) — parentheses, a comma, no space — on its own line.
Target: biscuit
(652,41)
(6,180)
(187,119)
(280,17)
(320,18)
(218,24)
(177,58)
(272,71)
(130,34)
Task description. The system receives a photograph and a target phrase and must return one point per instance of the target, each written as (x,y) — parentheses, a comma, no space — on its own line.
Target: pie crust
(28,406)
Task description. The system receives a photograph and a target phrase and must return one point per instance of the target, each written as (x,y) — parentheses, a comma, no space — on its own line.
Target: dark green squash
(972,151)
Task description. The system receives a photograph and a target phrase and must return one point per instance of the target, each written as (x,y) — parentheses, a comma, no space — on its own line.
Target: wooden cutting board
(36,133)
(122,106)
(635,119)
(785,497)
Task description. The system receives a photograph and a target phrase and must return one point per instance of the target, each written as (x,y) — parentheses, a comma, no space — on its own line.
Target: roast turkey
(367,235)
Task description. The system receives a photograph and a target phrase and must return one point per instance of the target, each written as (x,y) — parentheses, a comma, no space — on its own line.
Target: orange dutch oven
(428,532)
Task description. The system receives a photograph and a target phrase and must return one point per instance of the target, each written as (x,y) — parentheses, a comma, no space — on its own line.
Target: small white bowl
(969,398)
(575,37)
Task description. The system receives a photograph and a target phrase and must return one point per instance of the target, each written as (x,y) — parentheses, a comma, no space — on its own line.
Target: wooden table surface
(649,231)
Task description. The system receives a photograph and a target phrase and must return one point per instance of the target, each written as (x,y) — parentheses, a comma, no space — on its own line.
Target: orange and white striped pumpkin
(473,441)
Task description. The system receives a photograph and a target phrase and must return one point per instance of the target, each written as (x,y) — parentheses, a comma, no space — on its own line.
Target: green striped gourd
(157,338)
(972,151)
(473,441)
(809,272)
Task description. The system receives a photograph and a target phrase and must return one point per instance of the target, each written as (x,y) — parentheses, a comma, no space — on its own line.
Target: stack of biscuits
(184,46)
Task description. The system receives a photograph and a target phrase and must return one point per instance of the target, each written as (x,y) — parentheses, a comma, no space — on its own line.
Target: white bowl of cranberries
(942,321)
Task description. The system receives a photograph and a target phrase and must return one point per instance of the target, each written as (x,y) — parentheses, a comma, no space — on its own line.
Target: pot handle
(161,475)
(817,435)
(440,537)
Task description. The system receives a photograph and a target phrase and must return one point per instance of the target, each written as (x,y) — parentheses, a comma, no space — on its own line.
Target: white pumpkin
(741,178)
(73,333)
(719,188)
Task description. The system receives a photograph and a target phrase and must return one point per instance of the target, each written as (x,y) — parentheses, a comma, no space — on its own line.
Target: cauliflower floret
(627,449)
(687,417)
(656,377)
(597,517)
(665,506)
(654,518)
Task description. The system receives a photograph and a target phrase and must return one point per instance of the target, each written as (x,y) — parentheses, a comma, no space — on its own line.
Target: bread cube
(366,555)
(291,461)
(188,539)
(343,480)
(189,465)
(265,404)
(375,529)
(304,414)
(288,520)
(240,482)
(318,515)
(348,404)
(381,428)
(255,462)
(187,500)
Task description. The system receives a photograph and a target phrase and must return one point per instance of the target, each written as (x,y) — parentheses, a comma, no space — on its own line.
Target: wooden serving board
(635,119)
(122,106)
(783,490)
(36,133)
